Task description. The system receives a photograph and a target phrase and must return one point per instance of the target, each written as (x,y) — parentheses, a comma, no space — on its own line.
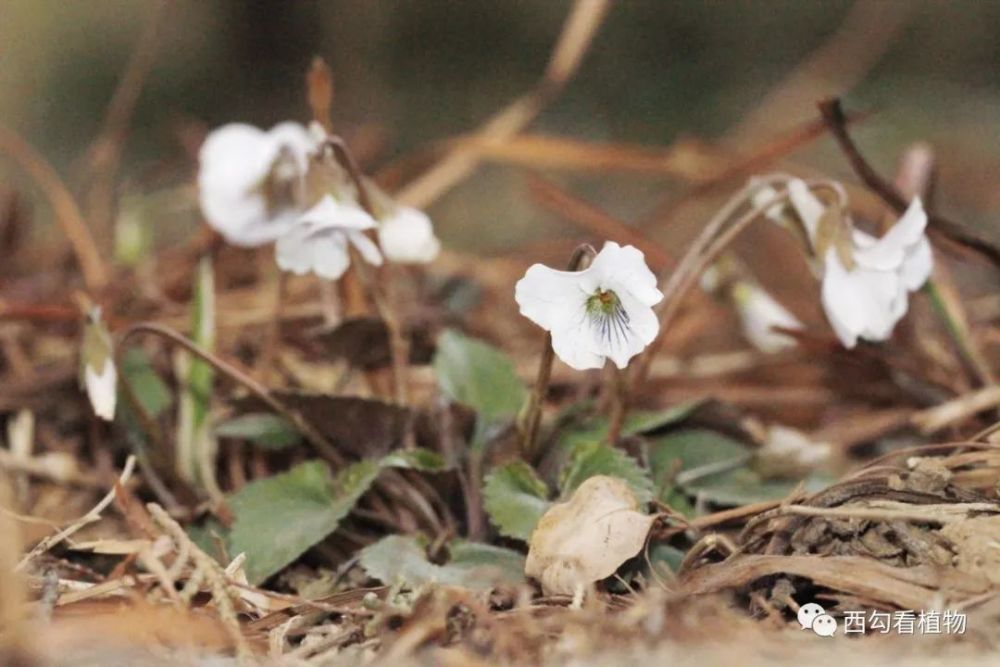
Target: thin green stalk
(959,332)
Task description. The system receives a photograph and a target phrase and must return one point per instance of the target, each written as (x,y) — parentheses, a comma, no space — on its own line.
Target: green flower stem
(957,328)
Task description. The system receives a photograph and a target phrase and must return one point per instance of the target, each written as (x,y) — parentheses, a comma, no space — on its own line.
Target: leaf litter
(341,475)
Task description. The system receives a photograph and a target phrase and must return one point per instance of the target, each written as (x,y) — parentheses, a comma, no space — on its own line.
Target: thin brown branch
(88,518)
(577,34)
(65,207)
(104,154)
(836,121)
(259,391)
(595,220)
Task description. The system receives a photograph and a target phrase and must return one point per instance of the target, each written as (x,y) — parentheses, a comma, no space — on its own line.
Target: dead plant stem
(65,207)
(259,391)
(833,113)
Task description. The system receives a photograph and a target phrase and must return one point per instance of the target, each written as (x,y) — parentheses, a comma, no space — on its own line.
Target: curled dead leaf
(588,537)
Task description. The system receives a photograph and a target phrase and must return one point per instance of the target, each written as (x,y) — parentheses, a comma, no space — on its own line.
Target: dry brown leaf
(976,543)
(364,427)
(588,537)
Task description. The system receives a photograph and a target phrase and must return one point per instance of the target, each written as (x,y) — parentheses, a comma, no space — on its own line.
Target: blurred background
(413,74)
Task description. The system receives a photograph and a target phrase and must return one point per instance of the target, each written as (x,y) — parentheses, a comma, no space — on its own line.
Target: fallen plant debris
(312,432)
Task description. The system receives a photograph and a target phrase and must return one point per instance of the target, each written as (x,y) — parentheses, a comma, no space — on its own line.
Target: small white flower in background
(790,452)
(320,239)
(604,311)
(251,183)
(866,293)
(258,187)
(867,300)
(97,367)
(407,236)
(760,315)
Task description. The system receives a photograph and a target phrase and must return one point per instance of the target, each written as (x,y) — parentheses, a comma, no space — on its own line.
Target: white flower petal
(917,265)
(292,251)
(318,241)
(759,315)
(807,206)
(549,298)
(330,213)
(869,300)
(763,195)
(909,229)
(622,344)
(625,266)
(330,258)
(574,344)
(297,140)
(889,252)
(234,162)
(102,389)
(407,236)
(619,329)
(366,247)
(644,323)
(861,303)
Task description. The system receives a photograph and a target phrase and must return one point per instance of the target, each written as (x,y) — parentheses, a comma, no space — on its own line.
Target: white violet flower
(251,183)
(320,239)
(407,236)
(760,314)
(789,452)
(604,311)
(99,378)
(867,300)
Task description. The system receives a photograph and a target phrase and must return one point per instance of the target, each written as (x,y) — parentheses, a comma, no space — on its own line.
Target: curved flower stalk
(252,183)
(603,312)
(866,280)
(98,376)
(319,240)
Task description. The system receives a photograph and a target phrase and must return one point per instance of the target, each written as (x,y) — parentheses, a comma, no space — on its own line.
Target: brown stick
(68,215)
(595,220)
(106,151)
(262,393)
(577,34)
(836,121)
